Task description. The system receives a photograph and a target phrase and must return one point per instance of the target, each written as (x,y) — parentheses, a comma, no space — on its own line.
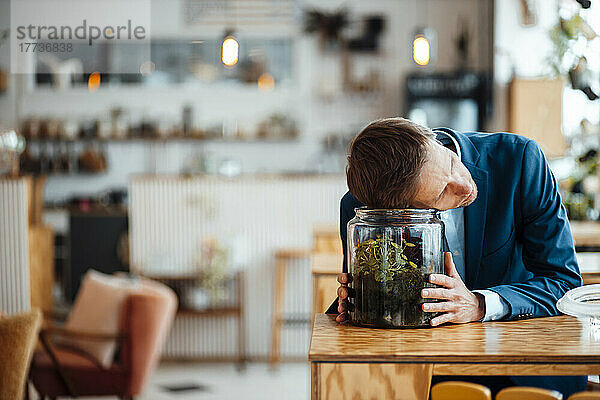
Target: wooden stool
(585,396)
(282,257)
(325,269)
(529,393)
(460,390)
(326,265)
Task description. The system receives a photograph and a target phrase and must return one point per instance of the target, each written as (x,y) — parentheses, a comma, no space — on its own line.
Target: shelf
(179,278)
(51,174)
(228,89)
(209,311)
(175,281)
(175,139)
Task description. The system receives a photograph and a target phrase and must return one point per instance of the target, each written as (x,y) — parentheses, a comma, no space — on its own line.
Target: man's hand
(460,305)
(343,293)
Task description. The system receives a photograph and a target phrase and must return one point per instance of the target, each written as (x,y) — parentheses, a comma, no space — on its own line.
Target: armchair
(61,370)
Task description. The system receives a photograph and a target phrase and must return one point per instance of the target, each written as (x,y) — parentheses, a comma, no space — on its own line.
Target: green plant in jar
(389,277)
(383,258)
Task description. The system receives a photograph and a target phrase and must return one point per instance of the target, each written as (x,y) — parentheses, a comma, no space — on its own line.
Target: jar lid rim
(395,211)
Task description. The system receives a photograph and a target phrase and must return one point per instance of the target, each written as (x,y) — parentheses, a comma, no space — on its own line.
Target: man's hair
(385,160)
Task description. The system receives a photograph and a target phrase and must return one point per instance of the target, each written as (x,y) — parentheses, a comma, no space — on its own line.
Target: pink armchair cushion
(98,309)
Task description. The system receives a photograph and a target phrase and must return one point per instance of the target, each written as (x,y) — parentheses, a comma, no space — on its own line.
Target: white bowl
(582,302)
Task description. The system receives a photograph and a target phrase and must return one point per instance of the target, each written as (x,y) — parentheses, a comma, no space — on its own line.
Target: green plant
(388,278)
(580,187)
(383,258)
(212,269)
(571,39)
(565,35)
(328,24)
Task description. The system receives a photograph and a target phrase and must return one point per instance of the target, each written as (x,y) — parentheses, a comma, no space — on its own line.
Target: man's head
(395,163)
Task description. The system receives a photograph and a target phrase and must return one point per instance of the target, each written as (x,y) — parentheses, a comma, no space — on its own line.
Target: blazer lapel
(475,226)
(476,212)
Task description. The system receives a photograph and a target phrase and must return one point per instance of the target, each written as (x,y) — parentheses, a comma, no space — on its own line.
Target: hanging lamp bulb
(421,50)
(230,50)
(423,47)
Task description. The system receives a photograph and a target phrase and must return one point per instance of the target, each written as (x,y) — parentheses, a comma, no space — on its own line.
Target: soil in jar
(388,278)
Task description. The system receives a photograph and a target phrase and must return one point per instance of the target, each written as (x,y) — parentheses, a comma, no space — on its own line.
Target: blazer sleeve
(548,249)
(347,205)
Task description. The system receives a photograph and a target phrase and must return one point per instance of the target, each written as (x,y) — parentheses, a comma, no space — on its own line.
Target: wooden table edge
(494,369)
(456,359)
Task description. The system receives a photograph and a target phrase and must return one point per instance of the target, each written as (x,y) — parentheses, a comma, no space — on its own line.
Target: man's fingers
(436,293)
(344,278)
(345,306)
(449,265)
(344,292)
(342,317)
(443,306)
(442,280)
(442,319)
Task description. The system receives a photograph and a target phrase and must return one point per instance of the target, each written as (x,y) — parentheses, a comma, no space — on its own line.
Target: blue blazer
(518,240)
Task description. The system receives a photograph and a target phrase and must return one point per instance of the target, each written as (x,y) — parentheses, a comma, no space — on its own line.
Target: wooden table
(589,266)
(585,233)
(349,362)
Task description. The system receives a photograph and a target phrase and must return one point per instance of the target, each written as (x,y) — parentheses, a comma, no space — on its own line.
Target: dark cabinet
(96,241)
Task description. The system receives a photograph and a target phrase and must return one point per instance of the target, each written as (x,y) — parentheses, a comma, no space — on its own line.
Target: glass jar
(391,254)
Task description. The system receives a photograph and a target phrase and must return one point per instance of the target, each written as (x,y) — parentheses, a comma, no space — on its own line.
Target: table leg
(241,286)
(315,387)
(370,381)
(277,318)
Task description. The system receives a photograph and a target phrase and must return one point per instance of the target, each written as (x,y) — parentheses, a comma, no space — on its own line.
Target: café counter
(355,362)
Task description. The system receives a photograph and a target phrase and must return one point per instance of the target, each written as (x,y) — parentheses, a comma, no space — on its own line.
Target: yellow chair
(460,390)
(585,396)
(18,336)
(529,393)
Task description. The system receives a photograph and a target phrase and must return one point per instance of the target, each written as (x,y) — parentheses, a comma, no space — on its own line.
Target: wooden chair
(585,396)
(460,390)
(282,257)
(326,264)
(529,393)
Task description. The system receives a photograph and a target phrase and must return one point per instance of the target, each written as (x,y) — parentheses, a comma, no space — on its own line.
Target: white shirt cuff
(495,307)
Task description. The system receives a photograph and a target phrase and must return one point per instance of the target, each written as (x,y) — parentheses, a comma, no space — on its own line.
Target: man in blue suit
(511,250)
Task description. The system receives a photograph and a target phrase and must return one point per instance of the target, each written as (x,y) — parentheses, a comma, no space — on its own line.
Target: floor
(223,381)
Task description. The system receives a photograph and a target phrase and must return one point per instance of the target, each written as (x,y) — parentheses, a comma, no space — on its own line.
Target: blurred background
(217,170)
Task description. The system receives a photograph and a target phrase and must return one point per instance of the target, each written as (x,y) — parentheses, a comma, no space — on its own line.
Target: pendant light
(424,44)
(230,50)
